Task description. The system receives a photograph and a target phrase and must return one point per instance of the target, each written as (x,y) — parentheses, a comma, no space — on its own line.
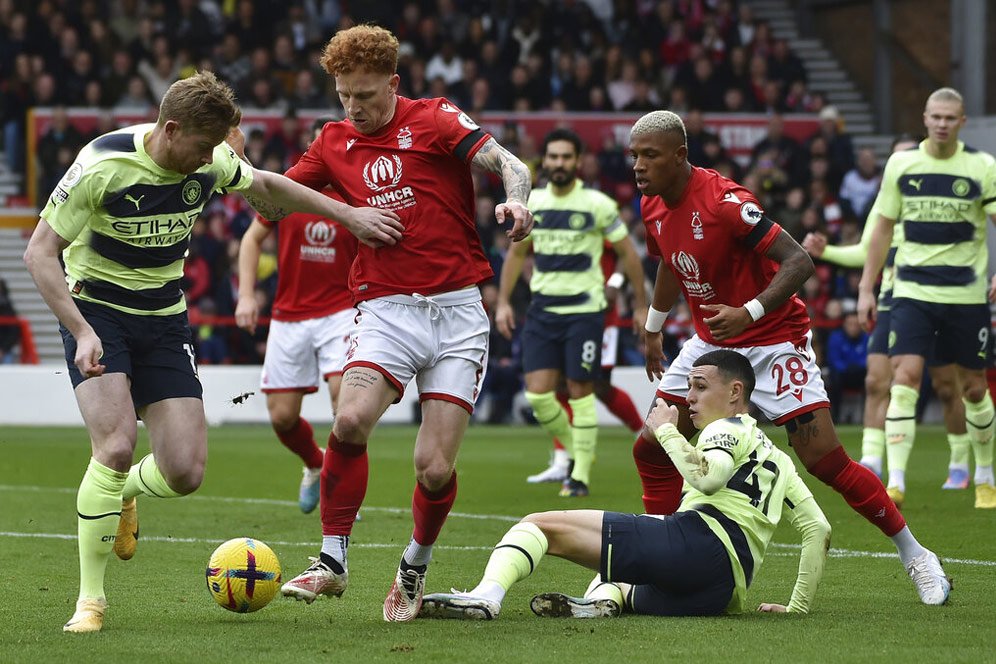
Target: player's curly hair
(201,104)
(367,47)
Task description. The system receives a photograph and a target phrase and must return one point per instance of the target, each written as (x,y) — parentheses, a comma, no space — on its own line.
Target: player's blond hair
(946,94)
(659,122)
(361,47)
(201,104)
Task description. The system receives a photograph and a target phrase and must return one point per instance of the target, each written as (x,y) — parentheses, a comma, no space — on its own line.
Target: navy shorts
(878,342)
(156,352)
(677,565)
(953,333)
(570,343)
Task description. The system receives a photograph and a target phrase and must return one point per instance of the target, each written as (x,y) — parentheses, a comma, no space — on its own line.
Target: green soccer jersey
(745,513)
(568,238)
(128,221)
(941,205)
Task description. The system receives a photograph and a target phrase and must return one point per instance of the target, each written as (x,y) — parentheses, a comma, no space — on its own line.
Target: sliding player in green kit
(698,561)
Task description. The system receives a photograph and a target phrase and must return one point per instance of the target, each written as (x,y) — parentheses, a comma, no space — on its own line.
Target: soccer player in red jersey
(739,272)
(420,312)
(311,324)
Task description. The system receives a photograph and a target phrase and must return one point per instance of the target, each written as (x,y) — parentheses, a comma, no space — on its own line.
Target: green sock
(516,555)
(979,417)
(551,416)
(872,443)
(584,433)
(599,589)
(98,505)
(146,478)
(959,444)
(900,432)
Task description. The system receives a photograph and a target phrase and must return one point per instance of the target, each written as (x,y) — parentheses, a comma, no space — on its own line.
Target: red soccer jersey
(713,243)
(314,257)
(417,166)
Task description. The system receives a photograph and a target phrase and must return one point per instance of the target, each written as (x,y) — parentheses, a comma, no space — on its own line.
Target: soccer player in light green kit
(562,335)
(942,193)
(121,219)
(944,377)
(699,560)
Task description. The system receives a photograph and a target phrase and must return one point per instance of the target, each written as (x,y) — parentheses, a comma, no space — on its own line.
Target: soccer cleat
(573,488)
(932,584)
(307,497)
(558,605)
(319,579)
(985,497)
(555,472)
(957,479)
(459,606)
(126,540)
(897,496)
(404,600)
(89,616)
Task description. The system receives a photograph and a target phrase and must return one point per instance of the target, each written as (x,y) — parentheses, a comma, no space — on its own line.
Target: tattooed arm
(515,176)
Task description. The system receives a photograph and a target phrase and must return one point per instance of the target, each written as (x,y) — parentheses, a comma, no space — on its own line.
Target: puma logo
(916,184)
(136,201)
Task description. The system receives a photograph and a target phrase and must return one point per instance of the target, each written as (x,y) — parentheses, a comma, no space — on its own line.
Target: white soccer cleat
(310,492)
(404,600)
(932,584)
(317,580)
(559,605)
(89,616)
(558,470)
(459,606)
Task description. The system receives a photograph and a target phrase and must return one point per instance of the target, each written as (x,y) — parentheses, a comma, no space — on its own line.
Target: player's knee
(876,386)
(283,419)
(351,427)
(115,451)
(975,393)
(186,480)
(434,474)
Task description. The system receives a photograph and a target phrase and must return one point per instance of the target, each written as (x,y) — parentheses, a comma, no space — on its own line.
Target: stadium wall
(42,395)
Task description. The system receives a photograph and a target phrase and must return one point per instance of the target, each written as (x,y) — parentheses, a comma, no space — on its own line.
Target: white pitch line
(833,553)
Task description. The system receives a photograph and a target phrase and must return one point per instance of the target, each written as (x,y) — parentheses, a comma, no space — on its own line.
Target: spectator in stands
(10,332)
(696,137)
(785,152)
(840,149)
(847,360)
(861,183)
(61,139)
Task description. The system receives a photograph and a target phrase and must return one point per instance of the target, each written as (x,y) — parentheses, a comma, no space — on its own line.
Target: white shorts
(442,340)
(789,382)
(301,353)
(610,347)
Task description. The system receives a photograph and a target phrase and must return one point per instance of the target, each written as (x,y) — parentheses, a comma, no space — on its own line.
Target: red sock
(300,439)
(430,508)
(861,489)
(557,445)
(621,405)
(661,480)
(344,484)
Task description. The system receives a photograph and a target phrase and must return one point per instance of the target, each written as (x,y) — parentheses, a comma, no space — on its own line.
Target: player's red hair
(362,47)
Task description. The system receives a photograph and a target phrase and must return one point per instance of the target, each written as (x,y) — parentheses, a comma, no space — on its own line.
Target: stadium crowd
(691,56)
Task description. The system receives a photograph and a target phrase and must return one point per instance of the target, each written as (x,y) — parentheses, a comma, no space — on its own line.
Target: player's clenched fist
(661,414)
(521,217)
(375,227)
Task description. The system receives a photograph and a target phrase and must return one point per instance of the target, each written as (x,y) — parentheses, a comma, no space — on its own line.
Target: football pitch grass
(161,611)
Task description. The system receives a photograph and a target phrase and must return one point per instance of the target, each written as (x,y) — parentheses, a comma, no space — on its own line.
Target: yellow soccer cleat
(89,616)
(896,496)
(126,541)
(985,497)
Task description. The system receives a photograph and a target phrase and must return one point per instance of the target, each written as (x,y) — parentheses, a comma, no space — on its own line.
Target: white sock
(335,546)
(488,590)
(983,475)
(897,479)
(907,546)
(417,554)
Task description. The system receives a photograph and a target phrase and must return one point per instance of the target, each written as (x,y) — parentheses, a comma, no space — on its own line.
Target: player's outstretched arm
(275,196)
(708,470)
(807,517)
(250,249)
(878,248)
(42,261)
(515,177)
(510,271)
(666,291)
